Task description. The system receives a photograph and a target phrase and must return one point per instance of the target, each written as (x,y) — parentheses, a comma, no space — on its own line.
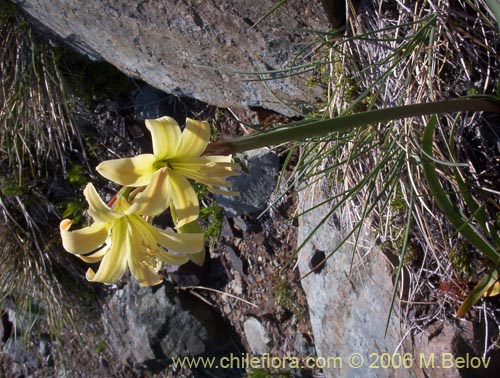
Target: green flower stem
(316,128)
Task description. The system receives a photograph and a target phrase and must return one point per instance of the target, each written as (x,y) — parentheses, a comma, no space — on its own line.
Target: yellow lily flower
(180,154)
(121,237)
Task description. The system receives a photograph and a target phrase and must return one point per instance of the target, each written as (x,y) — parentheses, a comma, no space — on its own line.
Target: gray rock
(462,339)
(240,224)
(255,187)
(348,309)
(18,350)
(302,347)
(147,326)
(233,259)
(257,337)
(195,48)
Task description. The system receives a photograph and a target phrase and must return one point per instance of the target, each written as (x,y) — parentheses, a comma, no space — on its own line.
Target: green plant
(374,171)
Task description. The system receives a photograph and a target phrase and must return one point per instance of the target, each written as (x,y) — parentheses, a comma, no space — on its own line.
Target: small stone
(226,229)
(257,337)
(233,259)
(236,285)
(240,224)
(226,309)
(44,348)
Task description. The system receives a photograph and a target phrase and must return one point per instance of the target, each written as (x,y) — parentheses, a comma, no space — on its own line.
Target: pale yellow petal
(165,134)
(84,240)
(194,228)
(134,171)
(98,210)
(194,138)
(155,199)
(184,198)
(198,258)
(220,159)
(143,263)
(114,263)
(143,274)
(96,256)
(180,243)
(205,171)
(172,259)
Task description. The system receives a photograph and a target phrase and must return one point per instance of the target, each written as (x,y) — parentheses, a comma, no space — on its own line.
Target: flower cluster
(122,233)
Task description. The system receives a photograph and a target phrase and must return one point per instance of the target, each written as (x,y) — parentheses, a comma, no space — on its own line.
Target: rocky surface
(257,337)
(349,302)
(195,48)
(147,327)
(348,295)
(255,184)
(445,342)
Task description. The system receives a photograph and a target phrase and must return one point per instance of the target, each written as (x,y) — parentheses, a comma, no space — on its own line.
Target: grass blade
(475,295)
(474,236)
(494,5)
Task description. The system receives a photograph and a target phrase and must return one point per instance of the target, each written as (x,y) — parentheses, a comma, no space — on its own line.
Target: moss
(77,175)
(212,215)
(11,188)
(462,260)
(286,298)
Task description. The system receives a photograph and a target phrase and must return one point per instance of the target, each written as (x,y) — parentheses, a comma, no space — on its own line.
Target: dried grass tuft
(406,52)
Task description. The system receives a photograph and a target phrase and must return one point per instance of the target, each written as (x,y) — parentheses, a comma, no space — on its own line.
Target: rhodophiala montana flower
(121,237)
(179,154)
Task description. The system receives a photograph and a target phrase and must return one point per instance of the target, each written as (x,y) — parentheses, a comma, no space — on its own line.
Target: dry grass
(400,53)
(37,135)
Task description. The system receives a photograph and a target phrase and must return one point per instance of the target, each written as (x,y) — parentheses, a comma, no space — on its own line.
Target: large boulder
(194,48)
(255,184)
(349,296)
(147,327)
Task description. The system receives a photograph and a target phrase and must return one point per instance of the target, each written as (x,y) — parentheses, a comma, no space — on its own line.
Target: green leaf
(494,5)
(475,295)
(471,233)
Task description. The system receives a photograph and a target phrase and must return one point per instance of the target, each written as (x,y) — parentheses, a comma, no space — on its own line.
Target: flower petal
(198,258)
(98,210)
(193,228)
(143,263)
(194,139)
(155,199)
(84,240)
(180,243)
(221,159)
(114,263)
(134,171)
(205,171)
(96,256)
(172,259)
(165,133)
(184,198)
